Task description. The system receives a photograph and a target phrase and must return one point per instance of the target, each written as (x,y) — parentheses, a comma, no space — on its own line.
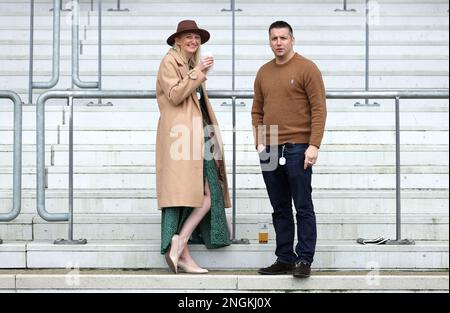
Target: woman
(191,180)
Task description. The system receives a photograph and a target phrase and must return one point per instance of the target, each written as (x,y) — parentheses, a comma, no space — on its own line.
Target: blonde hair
(192,62)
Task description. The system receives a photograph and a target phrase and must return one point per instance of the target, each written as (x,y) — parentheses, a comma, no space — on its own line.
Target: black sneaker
(277,268)
(302,270)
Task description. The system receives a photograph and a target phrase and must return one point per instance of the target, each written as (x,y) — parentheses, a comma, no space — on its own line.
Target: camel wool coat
(180,136)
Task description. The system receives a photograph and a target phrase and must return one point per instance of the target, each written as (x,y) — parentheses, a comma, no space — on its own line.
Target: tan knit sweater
(292,96)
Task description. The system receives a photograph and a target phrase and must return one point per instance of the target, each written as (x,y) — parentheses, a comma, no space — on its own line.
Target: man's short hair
(281,24)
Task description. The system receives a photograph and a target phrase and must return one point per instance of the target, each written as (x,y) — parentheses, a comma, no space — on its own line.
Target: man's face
(281,42)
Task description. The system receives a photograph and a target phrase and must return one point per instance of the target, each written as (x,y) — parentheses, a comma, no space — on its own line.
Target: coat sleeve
(175,88)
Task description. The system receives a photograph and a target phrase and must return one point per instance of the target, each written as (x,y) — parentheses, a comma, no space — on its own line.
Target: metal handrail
(367,56)
(213,94)
(40,136)
(100,55)
(17,155)
(76,50)
(56,50)
(30,65)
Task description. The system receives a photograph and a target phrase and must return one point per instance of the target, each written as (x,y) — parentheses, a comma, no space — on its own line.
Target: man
(289,97)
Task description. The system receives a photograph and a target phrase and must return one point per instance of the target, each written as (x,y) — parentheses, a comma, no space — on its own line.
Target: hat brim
(204,35)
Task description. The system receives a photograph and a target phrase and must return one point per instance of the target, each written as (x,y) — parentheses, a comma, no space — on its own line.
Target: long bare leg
(189,226)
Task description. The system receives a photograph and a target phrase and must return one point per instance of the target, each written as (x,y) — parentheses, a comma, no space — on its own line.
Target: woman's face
(189,43)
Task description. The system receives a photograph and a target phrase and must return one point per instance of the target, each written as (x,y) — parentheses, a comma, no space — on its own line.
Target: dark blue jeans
(287,183)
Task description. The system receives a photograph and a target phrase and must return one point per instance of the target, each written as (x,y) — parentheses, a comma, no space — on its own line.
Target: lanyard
(282,160)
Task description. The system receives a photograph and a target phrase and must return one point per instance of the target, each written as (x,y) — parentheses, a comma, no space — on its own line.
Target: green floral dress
(212,231)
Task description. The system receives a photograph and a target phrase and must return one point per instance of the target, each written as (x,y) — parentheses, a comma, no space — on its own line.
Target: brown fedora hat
(188,26)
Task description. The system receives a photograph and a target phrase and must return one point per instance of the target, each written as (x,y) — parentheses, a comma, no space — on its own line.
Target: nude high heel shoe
(172,254)
(189,269)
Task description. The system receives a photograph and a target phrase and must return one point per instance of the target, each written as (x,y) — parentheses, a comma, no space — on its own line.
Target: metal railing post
(233,105)
(233,238)
(100,57)
(233,45)
(56,50)
(70,240)
(118,9)
(31,64)
(233,49)
(233,87)
(398,188)
(100,45)
(367,51)
(367,61)
(397,167)
(344,9)
(17,156)
(75,50)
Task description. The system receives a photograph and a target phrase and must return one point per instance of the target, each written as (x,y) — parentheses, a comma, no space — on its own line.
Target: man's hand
(311,155)
(261,148)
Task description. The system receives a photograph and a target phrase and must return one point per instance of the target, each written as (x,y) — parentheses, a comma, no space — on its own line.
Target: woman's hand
(205,64)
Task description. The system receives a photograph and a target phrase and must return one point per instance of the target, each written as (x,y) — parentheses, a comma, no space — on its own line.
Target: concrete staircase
(220,282)
(115,201)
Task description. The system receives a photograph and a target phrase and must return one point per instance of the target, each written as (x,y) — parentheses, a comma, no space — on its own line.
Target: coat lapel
(183,69)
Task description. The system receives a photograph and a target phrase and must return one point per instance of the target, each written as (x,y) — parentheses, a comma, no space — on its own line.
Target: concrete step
(223,65)
(417,33)
(338,116)
(220,106)
(144,155)
(335,120)
(412,177)
(92,28)
(309,49)
(248,7)
(145,136)
(243,69)
(330,226)
(213,16)
(146,254)
(221,42)
(248,201)
(28,136)
(161,282)
(251,201)
(146,80)
(222,56)
(53,117)
(359,135)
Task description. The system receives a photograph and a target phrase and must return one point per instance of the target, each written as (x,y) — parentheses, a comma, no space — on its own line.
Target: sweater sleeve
(315,91)
(257,111)
(176,89)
